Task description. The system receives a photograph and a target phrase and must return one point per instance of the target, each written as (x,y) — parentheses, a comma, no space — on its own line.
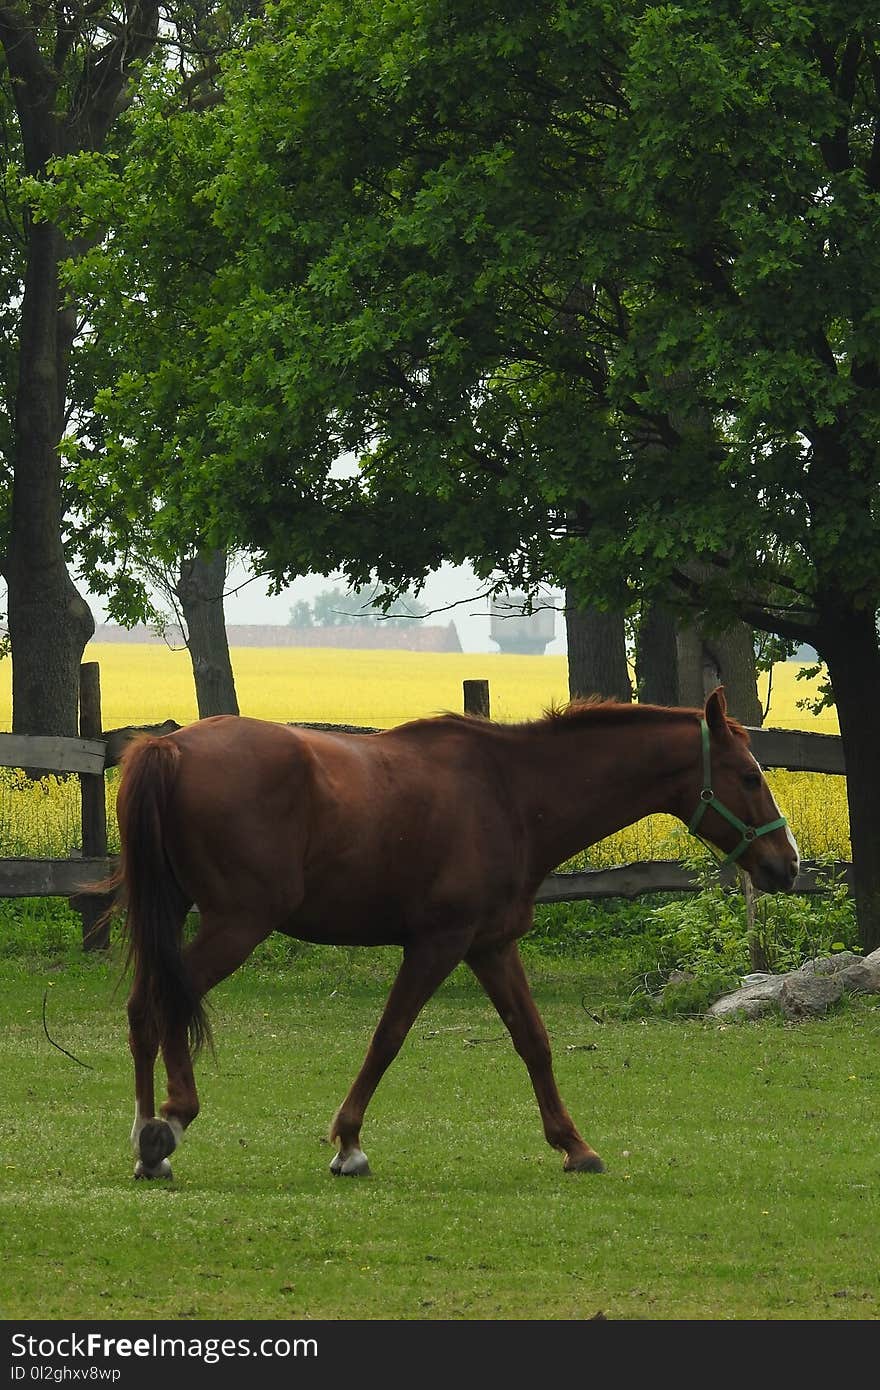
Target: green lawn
(743,1162)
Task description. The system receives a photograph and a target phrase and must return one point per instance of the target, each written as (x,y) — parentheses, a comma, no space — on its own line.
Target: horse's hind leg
(144,1044)
(500,972)
(424,967)
(220,947)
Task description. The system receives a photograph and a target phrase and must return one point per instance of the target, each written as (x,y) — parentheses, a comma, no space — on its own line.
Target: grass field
(743,1172)
(742,1162)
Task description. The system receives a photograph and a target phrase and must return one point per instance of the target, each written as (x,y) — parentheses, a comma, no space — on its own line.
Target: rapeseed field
(145,684)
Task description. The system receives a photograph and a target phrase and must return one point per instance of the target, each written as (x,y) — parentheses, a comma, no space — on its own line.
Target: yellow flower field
(144,684)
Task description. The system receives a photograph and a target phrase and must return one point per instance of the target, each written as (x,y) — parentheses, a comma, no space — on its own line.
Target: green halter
(708,798)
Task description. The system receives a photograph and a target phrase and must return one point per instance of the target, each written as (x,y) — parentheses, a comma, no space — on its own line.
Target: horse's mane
(578,713)
(596,710)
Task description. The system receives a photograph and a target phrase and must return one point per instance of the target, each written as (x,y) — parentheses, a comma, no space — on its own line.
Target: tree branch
(849,69)
(798,624)
(34,84)
(101,91)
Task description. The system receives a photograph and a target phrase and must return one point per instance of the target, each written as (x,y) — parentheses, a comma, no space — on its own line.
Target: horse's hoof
(163,1170)
(591,1163)
(354,1165)
(155,1142)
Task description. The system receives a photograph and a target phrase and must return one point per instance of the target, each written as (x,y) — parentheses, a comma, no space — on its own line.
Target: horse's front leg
(500,972)
(425,965)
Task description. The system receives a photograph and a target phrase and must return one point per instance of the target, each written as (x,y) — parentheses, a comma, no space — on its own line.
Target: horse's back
(343,836)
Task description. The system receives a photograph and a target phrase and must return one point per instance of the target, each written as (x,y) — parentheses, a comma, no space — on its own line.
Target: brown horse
(433,836)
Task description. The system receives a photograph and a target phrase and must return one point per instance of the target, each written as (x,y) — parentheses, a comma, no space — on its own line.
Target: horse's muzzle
(776,874)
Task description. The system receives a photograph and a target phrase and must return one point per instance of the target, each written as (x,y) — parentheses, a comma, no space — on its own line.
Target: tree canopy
(589,289)
(507,257)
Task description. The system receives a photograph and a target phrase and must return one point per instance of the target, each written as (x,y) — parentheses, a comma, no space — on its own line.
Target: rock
(750,1002)
(805,992)
(863,976)
(803,995)
(829,965)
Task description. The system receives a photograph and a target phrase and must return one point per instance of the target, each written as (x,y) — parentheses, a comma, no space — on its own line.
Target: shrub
(708,938)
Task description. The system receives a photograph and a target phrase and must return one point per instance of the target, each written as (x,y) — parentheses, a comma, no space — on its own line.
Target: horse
(433,836)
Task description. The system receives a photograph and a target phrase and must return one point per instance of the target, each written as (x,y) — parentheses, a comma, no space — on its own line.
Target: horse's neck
(576,784)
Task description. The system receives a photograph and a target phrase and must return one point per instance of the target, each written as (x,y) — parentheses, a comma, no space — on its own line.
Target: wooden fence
(94,752)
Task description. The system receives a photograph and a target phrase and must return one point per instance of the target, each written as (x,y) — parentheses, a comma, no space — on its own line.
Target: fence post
(476,697)
(94,808)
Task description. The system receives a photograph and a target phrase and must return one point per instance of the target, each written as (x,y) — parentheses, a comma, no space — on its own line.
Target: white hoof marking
(351,1165)
(163,1170)
(176,1129)
(139,1122)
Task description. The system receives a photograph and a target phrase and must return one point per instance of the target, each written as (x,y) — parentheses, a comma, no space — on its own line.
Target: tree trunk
(200,591)
(732,655)
(596,653)
(689,661)
(49,623)
(848,642)
(657,657)
(727,659)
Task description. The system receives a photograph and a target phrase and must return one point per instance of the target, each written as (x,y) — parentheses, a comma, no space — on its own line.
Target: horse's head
(734,807)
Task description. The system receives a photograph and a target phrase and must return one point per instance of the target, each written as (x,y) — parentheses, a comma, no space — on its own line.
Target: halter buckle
(748,833)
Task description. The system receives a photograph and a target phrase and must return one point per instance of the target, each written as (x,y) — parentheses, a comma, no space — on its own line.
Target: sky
(453,590)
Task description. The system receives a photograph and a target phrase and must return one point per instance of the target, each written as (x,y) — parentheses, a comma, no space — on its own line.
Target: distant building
(515,630)
(387,636)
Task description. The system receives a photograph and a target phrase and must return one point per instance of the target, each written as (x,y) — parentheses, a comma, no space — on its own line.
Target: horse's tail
(155,903)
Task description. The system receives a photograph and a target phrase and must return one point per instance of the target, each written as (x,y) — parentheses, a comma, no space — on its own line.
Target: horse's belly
(342,912)
(343,934)
(336,921)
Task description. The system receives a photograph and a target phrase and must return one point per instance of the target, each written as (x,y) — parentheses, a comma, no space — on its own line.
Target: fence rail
(91,754)
(53,754)
(52,878)
(798,751)
(66,878)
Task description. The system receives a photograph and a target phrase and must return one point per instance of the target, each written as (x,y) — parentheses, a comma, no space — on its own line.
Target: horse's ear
(716,712)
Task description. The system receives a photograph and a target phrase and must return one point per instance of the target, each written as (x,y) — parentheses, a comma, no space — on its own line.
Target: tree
(301,614)
(597,661)
(677,664)
(493,254)
(199,591)
(363,608)
(552,228)
(767,209)
(67,73)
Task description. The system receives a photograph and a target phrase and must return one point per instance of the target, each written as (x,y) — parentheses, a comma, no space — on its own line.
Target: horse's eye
(751,780)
